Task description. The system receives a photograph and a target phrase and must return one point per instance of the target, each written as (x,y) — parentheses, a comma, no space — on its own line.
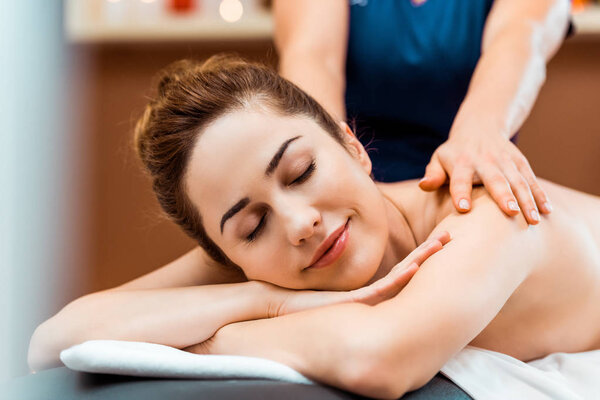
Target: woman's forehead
(246,139)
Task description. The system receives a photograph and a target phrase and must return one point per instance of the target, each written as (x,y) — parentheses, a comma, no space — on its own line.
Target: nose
(300,219)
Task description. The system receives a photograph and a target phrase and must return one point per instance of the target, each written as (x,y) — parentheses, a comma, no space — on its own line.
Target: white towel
(155,360)
(483,374)
(490,375)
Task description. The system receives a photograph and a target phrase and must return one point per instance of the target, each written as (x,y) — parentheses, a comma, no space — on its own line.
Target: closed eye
(252,236)
(306,174)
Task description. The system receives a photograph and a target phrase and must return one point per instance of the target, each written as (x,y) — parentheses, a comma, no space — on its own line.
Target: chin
(359,273)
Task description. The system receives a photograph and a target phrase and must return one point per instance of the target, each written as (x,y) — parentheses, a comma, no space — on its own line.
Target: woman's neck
(411,217)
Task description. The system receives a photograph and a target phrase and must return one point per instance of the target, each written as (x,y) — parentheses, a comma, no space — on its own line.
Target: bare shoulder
(485,218)
(429,212)
(423,210)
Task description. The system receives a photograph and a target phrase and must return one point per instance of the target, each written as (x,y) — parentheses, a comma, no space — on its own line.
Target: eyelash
(305,175)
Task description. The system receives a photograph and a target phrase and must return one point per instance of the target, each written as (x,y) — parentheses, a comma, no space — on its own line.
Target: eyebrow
(273,164)
(277,157)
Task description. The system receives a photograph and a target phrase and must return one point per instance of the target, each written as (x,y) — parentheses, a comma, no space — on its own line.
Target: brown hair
(191,95)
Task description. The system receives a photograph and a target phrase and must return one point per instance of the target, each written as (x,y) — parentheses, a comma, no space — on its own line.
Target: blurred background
(77,214)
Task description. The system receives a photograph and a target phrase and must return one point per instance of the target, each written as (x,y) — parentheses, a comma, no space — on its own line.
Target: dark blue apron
(408,69)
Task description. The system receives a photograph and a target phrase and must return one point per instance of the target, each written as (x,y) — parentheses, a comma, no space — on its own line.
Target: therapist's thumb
(435,175)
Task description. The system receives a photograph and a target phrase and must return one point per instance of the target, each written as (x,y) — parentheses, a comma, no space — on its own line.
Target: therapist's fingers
(461,184)
(540,196)
(435,174)
(496,184)
(521,189)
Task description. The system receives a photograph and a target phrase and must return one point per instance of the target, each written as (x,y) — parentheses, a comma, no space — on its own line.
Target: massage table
(65,384)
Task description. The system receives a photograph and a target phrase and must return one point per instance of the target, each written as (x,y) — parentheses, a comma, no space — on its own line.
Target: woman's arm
(149,309)
(311,39)
(398,345)
(518,39)
(182,303)
(177,317)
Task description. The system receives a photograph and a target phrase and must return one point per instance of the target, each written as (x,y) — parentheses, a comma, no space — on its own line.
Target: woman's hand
(231,339)
(291,301)
(494,161)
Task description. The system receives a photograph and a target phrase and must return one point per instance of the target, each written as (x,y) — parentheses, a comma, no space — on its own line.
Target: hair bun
(180,72)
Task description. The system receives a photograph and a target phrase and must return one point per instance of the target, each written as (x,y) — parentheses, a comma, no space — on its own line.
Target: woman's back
(556,307)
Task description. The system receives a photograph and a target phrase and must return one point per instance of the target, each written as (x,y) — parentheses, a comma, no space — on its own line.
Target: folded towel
(483,374)
(490,375)
(159,361)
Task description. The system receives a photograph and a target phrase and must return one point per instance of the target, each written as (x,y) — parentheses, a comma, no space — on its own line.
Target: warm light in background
(231,10)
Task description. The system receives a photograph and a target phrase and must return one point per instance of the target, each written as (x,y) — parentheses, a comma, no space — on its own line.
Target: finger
(461,183)
(496,184)
(388,286)
(521,190)
(397,280)
(540,196)
(400,274)
(422,252)
(442,236)
(435,175)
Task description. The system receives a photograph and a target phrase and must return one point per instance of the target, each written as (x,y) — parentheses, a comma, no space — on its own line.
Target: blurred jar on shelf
(118,12)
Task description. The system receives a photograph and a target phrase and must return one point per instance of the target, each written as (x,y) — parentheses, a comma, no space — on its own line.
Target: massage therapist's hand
(289,301)
(494,161)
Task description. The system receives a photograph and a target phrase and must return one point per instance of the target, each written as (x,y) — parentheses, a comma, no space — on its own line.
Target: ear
(356,148)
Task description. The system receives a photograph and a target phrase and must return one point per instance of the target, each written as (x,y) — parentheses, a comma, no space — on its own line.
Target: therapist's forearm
(509,75)
(317,76)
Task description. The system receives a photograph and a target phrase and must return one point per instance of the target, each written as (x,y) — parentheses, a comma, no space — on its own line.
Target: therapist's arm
(518,39)
(311,38)
(394,347)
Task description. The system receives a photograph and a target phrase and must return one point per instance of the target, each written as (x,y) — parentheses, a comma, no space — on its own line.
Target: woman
(439,87)
(300,211)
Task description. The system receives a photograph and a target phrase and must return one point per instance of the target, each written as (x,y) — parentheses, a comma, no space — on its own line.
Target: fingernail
(512,205)
(463,204)
(534,215)
(423,179)
(548,206)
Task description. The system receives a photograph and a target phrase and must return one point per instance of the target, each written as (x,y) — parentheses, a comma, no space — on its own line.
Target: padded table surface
(65,384)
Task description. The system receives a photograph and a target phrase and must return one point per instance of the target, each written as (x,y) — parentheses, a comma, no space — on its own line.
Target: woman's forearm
(177,317)
(518,41)
(330,344)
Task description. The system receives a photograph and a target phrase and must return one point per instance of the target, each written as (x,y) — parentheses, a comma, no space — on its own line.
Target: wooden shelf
(83,25)
(587,21)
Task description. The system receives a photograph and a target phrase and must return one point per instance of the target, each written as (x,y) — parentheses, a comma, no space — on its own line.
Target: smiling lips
(332,248)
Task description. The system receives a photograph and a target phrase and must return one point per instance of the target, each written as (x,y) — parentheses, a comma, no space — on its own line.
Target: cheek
(263,262)
(343,177)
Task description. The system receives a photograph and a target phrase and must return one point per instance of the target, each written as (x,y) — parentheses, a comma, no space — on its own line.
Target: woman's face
(274,192)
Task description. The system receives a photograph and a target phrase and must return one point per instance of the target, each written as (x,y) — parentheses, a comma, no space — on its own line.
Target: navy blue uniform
(408,68)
